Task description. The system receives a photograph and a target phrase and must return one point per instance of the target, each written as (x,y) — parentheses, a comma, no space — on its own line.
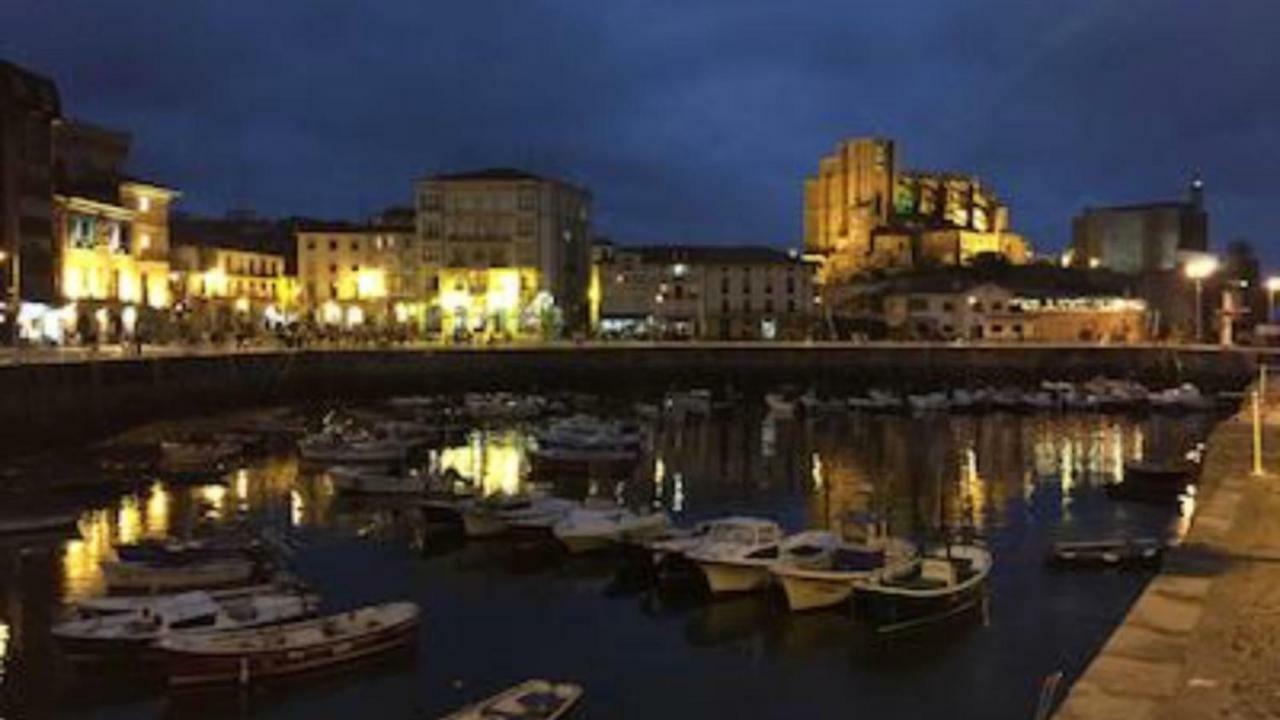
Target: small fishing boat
(736,554)
(1174,473)
(947,581)
(338,448)
(1114,552)
(116,604)
(179,552)
(499,514)
(143,577)
(929,402)
(262,654)
(193,612)
(594,528)
(815,405)
(822,568)
(530,700)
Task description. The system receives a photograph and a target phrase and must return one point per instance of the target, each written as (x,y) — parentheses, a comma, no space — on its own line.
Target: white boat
(584,432)
(362,480)
(1185,397)
(338,448)
(269,653)
(1040,401)
(116,604)
(815,405)
(157,578)
(779,406)
(530,700)
(646,411)
(821,569)
(590,528)
(736,554)
(193,612)
(499,514)
(947,581)
(501,405)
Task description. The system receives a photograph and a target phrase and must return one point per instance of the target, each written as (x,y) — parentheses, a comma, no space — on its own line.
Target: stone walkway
(1203,640)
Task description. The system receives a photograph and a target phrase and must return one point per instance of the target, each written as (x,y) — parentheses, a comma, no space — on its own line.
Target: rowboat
(531,700)
(263,654)
(947,581)
(117,604)
(193,612)
(37,523)
(135,577)
(822,568)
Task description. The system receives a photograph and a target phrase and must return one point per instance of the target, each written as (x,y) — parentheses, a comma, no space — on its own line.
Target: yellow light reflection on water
(296,508)
(4,649)
(157,512)
(80,557)
(492,460)
(815,462)
(129,520)
(972,489)
(213,497)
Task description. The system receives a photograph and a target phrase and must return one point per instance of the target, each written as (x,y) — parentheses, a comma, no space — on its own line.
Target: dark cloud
(691,121)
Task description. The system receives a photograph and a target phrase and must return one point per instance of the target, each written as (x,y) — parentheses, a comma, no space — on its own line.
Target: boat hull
(482,525)
(184,669)
(728,577)
(127,577)
(893,610)
(812,592)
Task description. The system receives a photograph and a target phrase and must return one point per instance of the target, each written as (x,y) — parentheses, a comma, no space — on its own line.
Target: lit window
(144,203)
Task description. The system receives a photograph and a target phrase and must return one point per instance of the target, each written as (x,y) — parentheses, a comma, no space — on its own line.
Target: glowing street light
(1273,284)
(1197,269)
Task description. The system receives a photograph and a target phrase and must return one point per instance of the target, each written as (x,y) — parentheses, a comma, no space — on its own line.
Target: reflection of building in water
(494,460)
(134,520)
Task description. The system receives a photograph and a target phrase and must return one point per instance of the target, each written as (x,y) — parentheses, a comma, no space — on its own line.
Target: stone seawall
(43,405)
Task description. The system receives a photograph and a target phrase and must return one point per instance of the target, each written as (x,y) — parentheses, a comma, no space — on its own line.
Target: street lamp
(1197,270)
(1273,284)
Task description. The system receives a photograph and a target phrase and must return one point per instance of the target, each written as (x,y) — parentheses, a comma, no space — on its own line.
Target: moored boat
(947,581)
(197,458)
(822,569)
(496,515)
(28,524)
(531,700)
(263,654)
(364,481)
(593,528)
(142,577)
(1107,553)
(193,612)
(115,604)
(735,555)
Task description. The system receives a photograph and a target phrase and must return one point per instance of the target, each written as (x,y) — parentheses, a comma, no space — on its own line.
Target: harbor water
(497,612)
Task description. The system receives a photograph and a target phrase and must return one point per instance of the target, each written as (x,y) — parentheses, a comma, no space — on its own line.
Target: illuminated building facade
(705,292)
(863,213)
(949,307)
(352,274)
(234,268)
(112,236)
(511,252)
(29,110)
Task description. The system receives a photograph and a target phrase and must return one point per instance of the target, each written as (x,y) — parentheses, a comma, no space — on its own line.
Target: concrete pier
(46,404)
(1203,640)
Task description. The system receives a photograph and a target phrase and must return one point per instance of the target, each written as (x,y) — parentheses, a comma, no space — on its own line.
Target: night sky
(690,121)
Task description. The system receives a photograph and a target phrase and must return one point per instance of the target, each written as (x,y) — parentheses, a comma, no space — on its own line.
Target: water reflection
(1019,480)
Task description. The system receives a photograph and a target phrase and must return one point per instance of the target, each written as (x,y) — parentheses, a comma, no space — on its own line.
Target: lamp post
(1273,284)
(1197,270)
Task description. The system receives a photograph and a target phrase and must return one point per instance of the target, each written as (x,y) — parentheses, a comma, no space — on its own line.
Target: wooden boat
(193,612)
(252,656)
(135,577)
(736,555)
(948,581)
(595,528)
(116,604)
(177,552)
(822,568)
(497,515)
(530,700)
(1114,552)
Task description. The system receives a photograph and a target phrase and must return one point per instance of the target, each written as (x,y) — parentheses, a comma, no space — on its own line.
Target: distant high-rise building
(864,213)
(29,110)
(1141,238)
(508,247)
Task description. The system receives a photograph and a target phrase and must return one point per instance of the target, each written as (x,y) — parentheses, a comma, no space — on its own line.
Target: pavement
(1203,640)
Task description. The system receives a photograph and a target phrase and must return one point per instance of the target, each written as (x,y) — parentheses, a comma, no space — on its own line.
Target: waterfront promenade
(1203,640)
